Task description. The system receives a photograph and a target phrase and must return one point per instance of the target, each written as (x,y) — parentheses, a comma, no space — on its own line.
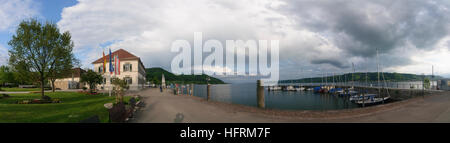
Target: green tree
(426,83)
(155,80)
(92,78)
(120,86)
(6,75)
(64,65)
(21,77)
(38,48)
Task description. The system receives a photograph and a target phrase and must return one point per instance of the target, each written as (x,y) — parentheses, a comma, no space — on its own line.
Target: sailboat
(351,91)
(360,97)
(372,100)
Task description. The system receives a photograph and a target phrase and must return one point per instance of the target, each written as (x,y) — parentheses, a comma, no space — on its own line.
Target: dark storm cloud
(359,27)
(329,61)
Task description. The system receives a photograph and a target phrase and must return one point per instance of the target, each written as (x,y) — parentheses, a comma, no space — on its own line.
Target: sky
(316,37)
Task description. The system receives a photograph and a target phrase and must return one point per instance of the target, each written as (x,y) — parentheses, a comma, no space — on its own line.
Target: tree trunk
(42,88)
(53,85)
(91,88)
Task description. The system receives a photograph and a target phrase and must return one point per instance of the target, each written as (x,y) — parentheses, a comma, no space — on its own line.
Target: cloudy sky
(315,36)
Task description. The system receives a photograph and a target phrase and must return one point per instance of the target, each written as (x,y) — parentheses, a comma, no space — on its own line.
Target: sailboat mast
(353,80)
(378,72)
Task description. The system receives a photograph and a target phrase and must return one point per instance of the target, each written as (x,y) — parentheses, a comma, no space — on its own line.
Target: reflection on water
(245,94)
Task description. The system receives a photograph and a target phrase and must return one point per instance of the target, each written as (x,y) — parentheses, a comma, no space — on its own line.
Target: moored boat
(372,101)
(361,97)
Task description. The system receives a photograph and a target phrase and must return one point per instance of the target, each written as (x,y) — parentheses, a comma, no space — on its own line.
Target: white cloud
(423,60)
(13,11)
(148,27)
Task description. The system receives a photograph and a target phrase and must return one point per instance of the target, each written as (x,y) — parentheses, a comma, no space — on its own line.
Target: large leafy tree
(92,79)
(39,50)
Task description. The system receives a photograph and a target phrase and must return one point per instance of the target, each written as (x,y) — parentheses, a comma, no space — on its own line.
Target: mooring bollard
(208,92)
(260,94)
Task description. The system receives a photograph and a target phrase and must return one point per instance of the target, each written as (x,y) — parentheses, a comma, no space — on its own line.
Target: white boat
(290,88)
(372,100)
(361,97)
(340,92)
(300,89)
(349,93)
(274,88)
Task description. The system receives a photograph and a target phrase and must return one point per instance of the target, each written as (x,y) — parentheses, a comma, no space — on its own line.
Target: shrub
(47,98)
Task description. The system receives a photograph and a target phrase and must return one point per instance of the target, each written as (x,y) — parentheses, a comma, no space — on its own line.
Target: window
(127,67)
(100,69)
(128,80)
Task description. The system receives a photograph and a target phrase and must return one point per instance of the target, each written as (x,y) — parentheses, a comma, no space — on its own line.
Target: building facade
(131,69)
(71,81)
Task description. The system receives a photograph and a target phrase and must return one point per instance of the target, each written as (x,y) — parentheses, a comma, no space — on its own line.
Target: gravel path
(168,108)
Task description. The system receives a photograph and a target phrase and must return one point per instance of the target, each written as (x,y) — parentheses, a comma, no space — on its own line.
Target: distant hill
(372,76)
(155,74)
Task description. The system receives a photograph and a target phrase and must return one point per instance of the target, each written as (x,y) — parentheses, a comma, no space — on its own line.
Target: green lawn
(74,108)
(15,89)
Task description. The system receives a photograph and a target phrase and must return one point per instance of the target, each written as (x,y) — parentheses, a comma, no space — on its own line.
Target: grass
(16,89)
(74,108)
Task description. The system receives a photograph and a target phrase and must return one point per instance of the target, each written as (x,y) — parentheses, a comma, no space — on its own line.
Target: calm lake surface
(245,94)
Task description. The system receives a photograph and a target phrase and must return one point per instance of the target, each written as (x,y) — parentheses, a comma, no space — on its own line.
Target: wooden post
(260,94)
(208,92)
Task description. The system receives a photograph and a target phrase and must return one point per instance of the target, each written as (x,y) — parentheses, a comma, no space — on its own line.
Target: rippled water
(245,94)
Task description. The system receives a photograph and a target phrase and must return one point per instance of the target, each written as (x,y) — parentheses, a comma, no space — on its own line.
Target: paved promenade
(167,108)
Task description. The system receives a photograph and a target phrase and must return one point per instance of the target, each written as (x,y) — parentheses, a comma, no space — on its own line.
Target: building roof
(122,54)
(76,72)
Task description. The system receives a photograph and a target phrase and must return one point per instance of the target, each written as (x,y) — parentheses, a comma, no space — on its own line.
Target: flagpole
(110,71)
(109,85)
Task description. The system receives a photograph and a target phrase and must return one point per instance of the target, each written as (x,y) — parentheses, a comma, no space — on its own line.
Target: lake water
(245,94)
